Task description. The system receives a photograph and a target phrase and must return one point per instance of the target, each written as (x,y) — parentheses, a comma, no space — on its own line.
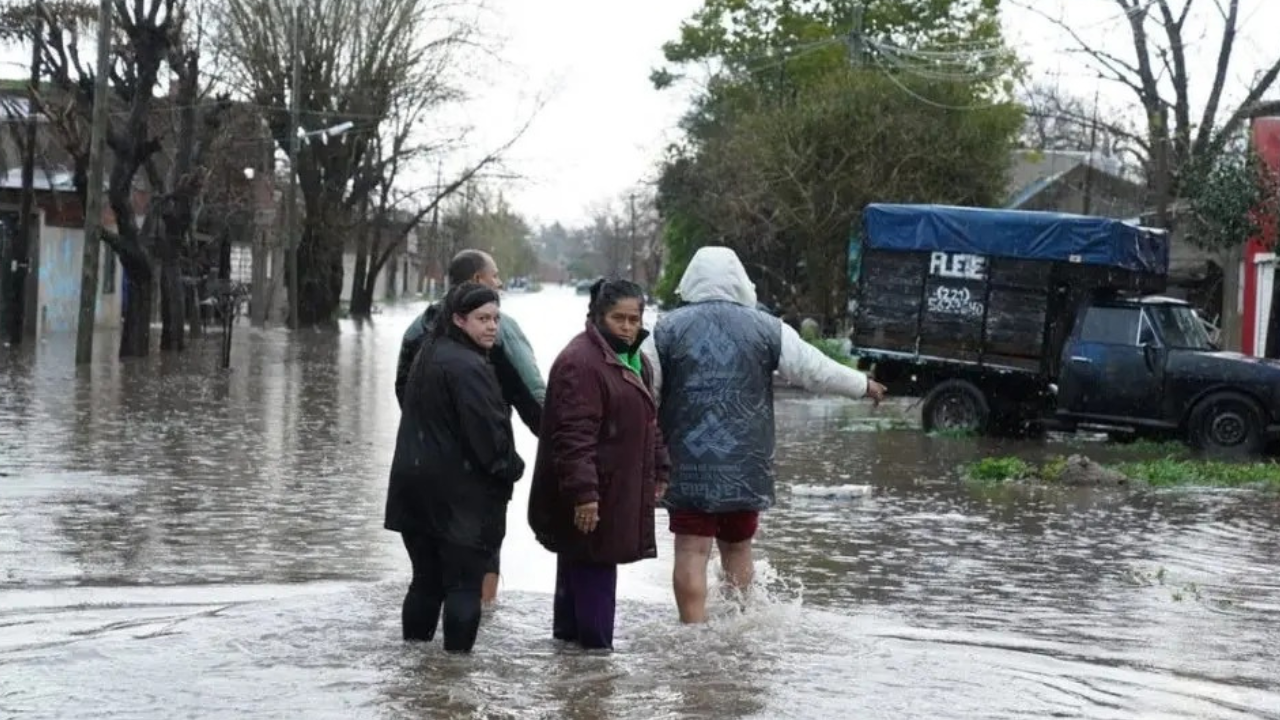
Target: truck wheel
(955,406)
(1226,422)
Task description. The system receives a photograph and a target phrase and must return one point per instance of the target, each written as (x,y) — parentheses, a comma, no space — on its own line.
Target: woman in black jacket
(453,471)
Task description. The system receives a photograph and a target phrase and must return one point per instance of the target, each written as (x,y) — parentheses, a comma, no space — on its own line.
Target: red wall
(1266,138)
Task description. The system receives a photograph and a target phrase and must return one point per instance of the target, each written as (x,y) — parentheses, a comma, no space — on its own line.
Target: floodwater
(180,542)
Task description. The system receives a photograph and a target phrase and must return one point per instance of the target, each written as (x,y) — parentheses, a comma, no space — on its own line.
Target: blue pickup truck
(1014,321)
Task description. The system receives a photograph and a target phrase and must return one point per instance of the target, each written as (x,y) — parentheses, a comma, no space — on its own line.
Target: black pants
(444,576)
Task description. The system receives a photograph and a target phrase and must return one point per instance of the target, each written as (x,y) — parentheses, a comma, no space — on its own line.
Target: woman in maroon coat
(601,464)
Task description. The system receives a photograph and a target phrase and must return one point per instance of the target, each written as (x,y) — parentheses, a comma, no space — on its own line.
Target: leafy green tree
(1232,198)
(805,121)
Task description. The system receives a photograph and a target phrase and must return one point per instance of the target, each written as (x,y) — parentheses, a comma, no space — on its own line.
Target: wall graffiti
(955,301)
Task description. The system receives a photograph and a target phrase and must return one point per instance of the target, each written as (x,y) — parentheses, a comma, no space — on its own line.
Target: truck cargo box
(991,287)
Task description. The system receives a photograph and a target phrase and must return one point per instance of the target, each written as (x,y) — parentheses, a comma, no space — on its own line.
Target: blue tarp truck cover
(1019,234)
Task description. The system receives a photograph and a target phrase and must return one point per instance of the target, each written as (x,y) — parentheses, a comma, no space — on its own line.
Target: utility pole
(93,203)
(857,45)
(436,246)
(1088,168)
(291,199)
(13,301)
(635,247)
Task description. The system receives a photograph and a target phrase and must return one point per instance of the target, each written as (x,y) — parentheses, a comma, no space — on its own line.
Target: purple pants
(586,597)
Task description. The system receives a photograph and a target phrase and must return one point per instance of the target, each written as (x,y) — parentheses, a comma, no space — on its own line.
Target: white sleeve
(805,365)
(649,349)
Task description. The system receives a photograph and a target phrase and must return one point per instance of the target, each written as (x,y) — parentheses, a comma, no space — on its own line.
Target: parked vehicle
(1009,321)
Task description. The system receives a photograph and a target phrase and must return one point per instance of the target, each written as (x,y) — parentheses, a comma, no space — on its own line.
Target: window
(108,278)
(1180,326)
(1146,333)
(1111,325)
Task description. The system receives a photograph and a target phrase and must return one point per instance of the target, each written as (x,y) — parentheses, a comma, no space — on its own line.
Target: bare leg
(489,589)
(690,577)
(738,565)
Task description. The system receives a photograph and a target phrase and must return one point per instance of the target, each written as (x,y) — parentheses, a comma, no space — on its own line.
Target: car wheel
(956,406)
(1228,423)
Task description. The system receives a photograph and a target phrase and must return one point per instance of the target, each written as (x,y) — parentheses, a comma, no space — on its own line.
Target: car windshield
(1180,326)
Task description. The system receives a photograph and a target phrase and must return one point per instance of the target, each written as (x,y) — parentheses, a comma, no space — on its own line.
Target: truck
(1008,321)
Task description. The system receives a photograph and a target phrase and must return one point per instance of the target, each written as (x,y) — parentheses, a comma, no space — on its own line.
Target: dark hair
(605,293)
(461,300)
(466,265)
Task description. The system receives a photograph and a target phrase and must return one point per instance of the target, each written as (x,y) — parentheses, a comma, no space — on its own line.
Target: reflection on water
(176,541)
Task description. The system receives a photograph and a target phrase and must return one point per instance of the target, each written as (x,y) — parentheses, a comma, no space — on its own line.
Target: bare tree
(1176,135)
(391,221)
(152,36)
(146,29)
(1056,119)
(356,59)
(197,121)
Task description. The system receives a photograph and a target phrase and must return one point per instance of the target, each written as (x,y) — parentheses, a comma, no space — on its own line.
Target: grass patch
(998,470)
(833,349)
(1175,472)
(1162,472)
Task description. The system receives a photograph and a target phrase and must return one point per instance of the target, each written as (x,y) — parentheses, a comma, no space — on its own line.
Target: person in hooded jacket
(601,466)
(454,467)
(512,358)
(714,359)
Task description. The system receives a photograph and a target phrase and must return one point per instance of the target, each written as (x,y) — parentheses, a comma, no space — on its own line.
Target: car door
(1113,368)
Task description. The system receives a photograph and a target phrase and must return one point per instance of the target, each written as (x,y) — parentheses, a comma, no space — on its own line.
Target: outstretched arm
(805,365)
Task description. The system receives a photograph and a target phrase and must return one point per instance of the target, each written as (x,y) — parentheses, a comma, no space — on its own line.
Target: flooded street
(180,542)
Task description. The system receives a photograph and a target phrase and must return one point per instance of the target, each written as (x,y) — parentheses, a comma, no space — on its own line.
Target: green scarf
(632,360)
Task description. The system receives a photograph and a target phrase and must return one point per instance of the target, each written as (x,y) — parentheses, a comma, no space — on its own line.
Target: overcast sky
(603,127)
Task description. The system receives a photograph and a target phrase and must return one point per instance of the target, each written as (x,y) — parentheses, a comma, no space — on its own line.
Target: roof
(59,180)
(16,108)
(1035,170)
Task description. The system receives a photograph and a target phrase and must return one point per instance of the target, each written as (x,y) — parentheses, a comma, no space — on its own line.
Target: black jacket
(455,460)
(516,394)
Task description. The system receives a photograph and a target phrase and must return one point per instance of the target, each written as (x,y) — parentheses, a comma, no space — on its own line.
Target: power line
(927,101)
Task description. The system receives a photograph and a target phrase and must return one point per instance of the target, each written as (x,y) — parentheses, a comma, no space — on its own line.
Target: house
(1092,184)
(237,209)
(1073,182)
(405,272)
(56,253)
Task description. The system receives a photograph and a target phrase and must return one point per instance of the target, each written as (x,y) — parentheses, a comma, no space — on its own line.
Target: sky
(601,127)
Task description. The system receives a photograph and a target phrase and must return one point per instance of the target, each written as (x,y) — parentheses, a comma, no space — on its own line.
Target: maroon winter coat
(599,442)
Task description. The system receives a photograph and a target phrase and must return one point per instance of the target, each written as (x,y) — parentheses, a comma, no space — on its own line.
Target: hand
(659,491)
(586,517)
(875,391)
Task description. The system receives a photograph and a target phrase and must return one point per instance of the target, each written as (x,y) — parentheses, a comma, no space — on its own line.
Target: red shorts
(730,527)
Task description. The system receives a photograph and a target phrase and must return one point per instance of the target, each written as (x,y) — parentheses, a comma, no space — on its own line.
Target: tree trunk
(319,278)
(135,338)
(1231,324)
(259,280)
(393,279)
(361,302)
(195,312)
(173,312)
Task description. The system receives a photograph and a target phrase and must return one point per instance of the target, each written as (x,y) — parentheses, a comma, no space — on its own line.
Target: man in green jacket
(513,361)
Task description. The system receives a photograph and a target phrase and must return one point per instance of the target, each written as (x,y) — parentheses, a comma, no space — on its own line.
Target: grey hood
(716,273)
